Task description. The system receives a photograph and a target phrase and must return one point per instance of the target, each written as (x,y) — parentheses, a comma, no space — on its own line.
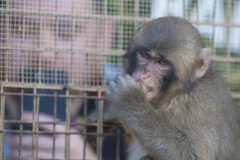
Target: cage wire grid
(61,54)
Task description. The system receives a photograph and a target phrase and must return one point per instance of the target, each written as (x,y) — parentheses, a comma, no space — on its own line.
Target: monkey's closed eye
(145,55)
(162,62)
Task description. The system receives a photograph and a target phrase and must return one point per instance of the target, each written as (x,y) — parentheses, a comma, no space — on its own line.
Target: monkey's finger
(120,80)
(130,80)
(108,92)
(112,85)
(144,88)
(119,75)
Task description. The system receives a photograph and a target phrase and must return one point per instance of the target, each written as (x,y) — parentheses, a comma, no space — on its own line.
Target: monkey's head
(166,50)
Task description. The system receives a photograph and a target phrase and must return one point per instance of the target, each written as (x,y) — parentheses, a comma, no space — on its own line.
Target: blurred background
(57,56)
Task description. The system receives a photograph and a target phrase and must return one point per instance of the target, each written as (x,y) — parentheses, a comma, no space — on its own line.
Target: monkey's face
(150,71)
(166,50)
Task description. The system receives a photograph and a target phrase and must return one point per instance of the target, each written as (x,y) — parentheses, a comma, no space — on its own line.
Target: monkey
(172,100)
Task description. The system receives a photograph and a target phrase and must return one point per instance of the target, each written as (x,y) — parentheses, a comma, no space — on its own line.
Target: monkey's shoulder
(213,88)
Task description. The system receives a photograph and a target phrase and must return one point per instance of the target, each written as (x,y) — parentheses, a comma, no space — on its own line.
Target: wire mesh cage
(57,56)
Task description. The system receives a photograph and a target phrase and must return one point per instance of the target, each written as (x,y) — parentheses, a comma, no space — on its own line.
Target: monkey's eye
(145,55)
(162,62)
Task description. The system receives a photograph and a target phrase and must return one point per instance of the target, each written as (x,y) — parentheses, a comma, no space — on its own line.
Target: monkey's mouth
(149,89)
(150,93)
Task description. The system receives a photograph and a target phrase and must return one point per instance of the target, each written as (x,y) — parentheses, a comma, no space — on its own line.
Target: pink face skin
(55,34)
(150,72)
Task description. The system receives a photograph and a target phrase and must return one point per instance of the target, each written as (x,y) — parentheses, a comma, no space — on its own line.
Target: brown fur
(193,117)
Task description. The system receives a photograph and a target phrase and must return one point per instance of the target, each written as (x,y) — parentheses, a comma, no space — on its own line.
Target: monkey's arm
(161,138)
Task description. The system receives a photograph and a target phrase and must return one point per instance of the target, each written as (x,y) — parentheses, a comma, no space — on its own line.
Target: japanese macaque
(172,101)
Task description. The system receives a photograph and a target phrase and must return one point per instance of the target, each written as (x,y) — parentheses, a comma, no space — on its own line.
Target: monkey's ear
(203,62)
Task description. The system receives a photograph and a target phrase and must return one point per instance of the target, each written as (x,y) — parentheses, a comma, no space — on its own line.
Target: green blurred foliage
(128,7)
(125,29)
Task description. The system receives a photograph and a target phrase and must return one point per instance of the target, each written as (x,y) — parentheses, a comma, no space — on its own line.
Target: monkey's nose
(145,77)
(145,74)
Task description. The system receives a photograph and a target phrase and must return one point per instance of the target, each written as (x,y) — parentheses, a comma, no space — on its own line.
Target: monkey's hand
(124,91)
